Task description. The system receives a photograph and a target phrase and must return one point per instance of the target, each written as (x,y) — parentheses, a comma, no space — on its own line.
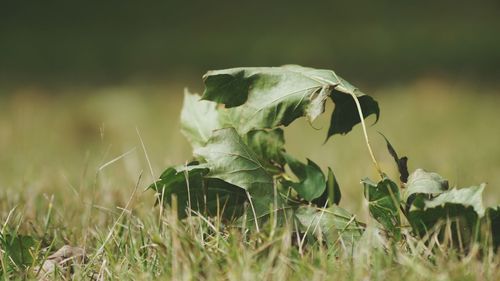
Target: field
(75,162)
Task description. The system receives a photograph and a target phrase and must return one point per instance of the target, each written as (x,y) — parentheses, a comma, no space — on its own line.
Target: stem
(253,211)
(367,141)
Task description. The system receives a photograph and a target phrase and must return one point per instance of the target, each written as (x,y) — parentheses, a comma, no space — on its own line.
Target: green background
(90,42)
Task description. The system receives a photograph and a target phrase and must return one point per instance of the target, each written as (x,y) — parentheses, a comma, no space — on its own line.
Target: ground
(74,163)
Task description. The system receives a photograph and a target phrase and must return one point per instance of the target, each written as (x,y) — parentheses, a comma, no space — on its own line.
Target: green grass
(73,171)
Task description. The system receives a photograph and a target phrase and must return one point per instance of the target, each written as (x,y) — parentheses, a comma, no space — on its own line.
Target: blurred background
(116,41)
(81,83)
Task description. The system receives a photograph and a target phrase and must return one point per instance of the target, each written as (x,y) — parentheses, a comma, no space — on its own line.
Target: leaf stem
(365,133)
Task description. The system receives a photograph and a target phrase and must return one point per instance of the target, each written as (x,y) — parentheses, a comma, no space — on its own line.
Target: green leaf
(269,146)
(383,202)
(470,196)
(422,182)
(463,206)
(18,249)
(311,179)
(493,215)
(231,160)
(268,97)
(345,115)
(221,86)
(401,163)
(332,193)
(199,119)
(207,196)
(421,186)
(335,224)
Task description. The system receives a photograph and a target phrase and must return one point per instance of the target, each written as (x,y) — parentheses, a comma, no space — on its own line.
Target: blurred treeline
(369,41)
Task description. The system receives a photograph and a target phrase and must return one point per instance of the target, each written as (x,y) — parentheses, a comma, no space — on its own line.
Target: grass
(73,171)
